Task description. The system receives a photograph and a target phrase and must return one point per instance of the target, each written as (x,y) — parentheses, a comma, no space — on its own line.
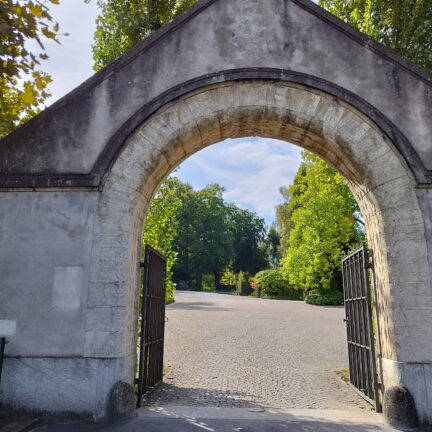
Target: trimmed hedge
(325,298)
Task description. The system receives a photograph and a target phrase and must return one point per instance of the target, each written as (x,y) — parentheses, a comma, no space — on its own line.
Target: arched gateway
(76,182)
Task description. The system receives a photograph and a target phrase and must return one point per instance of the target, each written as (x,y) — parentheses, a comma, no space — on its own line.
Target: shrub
(323,298)
(243,286)
(253,285)
(208,282)
(229,279)
(270,283)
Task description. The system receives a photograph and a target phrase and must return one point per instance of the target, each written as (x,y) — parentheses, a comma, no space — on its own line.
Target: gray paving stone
(237,352)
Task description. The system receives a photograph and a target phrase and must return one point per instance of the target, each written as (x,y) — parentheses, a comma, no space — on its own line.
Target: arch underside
(374,170)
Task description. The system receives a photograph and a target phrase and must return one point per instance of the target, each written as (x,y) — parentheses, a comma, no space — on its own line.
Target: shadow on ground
(207,306)
(243,416)
(201,397)
(190,424)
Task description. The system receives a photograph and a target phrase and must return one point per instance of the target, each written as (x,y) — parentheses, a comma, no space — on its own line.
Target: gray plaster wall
(218,35)
(45,247)
(62,386)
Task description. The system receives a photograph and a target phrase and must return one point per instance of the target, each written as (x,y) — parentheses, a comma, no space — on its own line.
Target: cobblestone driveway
(230,351)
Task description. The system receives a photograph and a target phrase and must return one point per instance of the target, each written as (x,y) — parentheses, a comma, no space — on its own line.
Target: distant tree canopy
(201,234)
(124,23)
(23,87)
(403,25)
(323,226)
(214,235)
(272,246)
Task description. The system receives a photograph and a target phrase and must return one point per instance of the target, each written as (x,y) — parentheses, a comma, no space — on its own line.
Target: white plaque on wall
(67,287)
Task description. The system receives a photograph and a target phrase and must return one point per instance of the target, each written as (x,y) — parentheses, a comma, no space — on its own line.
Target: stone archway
(343,136)
(76,180)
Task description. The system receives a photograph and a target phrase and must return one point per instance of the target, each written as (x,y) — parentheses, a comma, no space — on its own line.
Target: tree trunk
(216,275)
(199,280)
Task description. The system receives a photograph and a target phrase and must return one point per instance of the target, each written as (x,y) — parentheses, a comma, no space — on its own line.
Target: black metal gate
(151,340)
(2,348)
(360,334)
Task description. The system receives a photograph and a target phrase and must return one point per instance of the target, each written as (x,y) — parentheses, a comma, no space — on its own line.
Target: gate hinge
(369,260)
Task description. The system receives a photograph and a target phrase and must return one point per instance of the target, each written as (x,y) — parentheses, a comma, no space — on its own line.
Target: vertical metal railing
(2,348)
(150,368)
(360,334)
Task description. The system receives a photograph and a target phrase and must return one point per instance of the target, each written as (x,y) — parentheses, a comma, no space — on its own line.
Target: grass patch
(343,374)
(166,370)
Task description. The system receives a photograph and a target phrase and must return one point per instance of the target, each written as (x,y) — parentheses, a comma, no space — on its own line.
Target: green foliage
(162,224)
(124,23)
(403,25)
(285,210)
(324,226)
(208,283)
(214,235)
(333,297)
(248,234)
(229,278)
(271,283)
(23,88)
(243,287)
(204,237)
(271,247)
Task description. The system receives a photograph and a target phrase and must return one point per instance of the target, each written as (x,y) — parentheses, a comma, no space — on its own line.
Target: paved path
(233,358)
(227,351)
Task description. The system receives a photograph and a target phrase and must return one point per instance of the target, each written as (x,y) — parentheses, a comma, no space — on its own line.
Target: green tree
(124,23)
(403,25)
(204,239)
(324,226)
(214,236)
(272,247)
(161,225)
(248,235)
(23,87)
(285,210)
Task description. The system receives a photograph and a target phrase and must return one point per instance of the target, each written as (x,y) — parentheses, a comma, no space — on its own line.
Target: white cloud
(251,170)
(71,62)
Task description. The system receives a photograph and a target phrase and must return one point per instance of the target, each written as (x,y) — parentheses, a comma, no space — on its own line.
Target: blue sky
(251,169)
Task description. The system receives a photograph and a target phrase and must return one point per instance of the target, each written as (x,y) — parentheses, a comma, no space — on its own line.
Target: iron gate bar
(2,348)
(139,380)
(150,373)
(358,311)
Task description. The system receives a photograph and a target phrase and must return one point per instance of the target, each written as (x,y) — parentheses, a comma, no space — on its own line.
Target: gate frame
(142,386)
(372,375)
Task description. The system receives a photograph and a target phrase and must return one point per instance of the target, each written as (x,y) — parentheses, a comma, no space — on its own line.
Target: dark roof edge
(365,40)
